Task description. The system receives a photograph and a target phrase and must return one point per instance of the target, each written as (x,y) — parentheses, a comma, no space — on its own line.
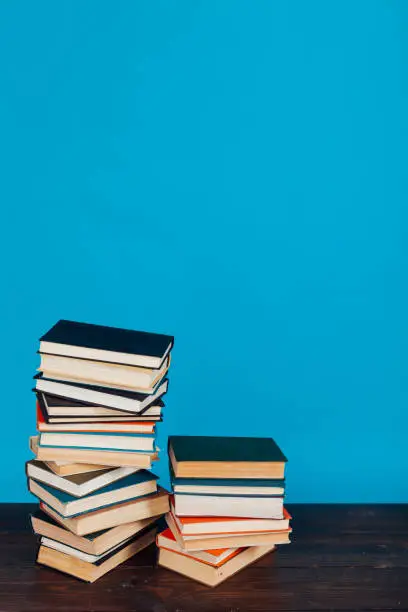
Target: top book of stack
(219,457)
(108,344)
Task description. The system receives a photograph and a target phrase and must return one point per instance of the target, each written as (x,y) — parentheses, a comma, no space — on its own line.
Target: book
(106,387)
(228,486)
(206,574)
(74,552)
(229,540)
(226,457)
(69,469)
(56,409)
(90,572)
(77,485)
(247,506)
(66,468)
(204,525)
(101,373)
(99,396)
(130,426)
(215,557)
(94,543)
(136,485)
(103,343)
(103,441)
(111,516)
(91,456)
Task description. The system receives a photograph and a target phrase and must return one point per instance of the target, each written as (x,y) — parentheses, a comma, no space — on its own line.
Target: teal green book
(138,484)
(225,449)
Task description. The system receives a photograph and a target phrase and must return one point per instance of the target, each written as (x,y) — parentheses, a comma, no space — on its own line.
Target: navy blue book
(110,344)
(138,484)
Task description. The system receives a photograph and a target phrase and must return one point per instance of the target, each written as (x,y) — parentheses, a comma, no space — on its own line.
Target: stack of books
(227,507)
(99,397)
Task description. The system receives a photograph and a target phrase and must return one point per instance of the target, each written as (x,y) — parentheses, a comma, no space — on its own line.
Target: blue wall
(234,173)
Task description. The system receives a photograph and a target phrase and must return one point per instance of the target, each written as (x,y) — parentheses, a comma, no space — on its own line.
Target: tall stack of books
(99,398)
(227,508)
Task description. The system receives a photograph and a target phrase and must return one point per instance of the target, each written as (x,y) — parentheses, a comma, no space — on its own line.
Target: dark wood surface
(343,557)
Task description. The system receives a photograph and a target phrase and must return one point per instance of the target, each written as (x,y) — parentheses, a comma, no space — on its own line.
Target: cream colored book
(92,544)
(208,574)
(77,484)
(126,512)
(95,456)
(136,485)
(65,468)
(90,572)
(101,373)
(99,440)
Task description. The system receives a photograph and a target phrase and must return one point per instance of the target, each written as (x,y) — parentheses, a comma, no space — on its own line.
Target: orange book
(214,557)
(200,525)
(226,540)
(109,427)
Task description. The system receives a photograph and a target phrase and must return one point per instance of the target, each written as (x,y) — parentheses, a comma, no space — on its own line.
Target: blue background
(234,173)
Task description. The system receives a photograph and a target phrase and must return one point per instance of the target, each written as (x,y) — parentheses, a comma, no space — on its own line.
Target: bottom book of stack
(90,557)
(210,567)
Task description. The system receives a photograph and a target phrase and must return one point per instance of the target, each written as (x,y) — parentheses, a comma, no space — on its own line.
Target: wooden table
(343,557)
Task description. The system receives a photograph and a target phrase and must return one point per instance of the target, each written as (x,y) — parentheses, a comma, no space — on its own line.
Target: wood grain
(344,557)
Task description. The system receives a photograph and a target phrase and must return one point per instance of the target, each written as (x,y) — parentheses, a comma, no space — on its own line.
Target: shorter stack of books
(227,508)
(98,402)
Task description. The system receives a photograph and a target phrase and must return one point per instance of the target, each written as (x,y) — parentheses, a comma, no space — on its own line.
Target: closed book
(214,557)
(228,486)
(228,540)
(105,440)
(101,373)
(77,485)
(205,573)
(136,485)
(57,409)
(249,506)
(103,343)
(111,516)
(107,386)
(205,525)
(226,457)
(94,543)
(66,562)
(131,426)
(135,402)
(65,468)
(91,456)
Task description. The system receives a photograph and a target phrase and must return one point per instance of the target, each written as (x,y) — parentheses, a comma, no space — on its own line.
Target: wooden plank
(343,558)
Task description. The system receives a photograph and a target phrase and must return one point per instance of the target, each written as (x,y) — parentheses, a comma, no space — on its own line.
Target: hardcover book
(102,343)
(99,396)
(111,516)
(205,573)
(136,485)
(226,540)
(65,560)
(77,485)
(226,457)
(94,543)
